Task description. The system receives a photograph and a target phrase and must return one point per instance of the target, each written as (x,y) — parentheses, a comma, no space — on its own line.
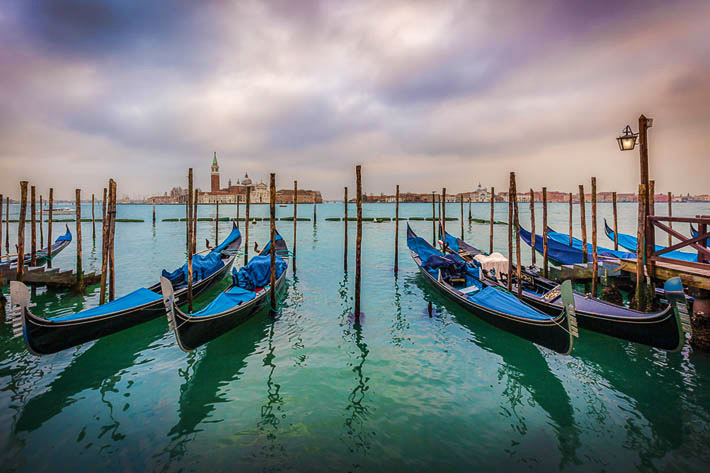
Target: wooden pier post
(33,228)
(216,224)
(93,216)
(7,224)
(41,217)
(651,197)
(295,217)
(111,240)
(49,227)
(583,218)
(493,201)
(396,231)
(358,242)
(79,265)
(188,222)
(670,214)
(246,227)
(518,262)
(105,231)
(443,218)
(439,220)
(545,260)
(6,217)
(314,209)
(511,219)
(641,250)
(469,209)
(190,249)
(345,231)
(238,210)
(616,222)
(21,232)
(570,218)
(433,219)
(153,212)
(461,201)
(272,247)
(194,223)
(532,225)
(595,255)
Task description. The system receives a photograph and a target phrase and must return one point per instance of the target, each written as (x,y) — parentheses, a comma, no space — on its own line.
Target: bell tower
(215,174)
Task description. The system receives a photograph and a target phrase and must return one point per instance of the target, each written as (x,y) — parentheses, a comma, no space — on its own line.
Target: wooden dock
(690,276)
(579,272)
(42,276)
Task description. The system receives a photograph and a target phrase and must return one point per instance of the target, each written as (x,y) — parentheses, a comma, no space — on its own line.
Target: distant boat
(62,210)
(282,205)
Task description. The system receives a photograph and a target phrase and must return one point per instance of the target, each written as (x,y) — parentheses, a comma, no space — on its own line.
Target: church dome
(246,181)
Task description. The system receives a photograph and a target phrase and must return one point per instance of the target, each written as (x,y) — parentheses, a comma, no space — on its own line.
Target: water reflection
(400,324)
(271,412)
(100,367)
(523,367)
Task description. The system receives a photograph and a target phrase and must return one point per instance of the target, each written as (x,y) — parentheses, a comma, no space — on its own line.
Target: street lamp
(627,141)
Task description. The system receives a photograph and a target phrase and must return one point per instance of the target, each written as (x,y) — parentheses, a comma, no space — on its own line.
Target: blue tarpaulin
(202,267)
(136,298)
(257,273)
(559,250)
(225,301)
(65,237)
(268,245)
(630,242)
(451,242)
(503,301)
(231,238)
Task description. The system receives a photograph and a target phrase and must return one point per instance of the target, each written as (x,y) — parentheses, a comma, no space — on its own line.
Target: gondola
(248,294)
(461,282)
(629,242)
(49,335)
(42,255)
(560,252)
(665,329)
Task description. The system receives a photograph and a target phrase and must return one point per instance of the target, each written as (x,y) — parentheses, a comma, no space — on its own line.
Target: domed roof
(246,181)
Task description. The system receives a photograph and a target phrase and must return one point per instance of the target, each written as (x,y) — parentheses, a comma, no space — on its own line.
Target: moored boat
(42,256)
(630,242)
(49,335)
(248,294)
(462,282)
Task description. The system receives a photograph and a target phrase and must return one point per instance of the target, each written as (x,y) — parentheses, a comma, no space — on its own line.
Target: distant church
(259,193)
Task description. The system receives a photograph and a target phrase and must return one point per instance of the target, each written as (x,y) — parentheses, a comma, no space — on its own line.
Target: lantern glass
(627,141)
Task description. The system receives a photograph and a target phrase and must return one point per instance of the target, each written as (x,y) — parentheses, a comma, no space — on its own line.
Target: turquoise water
(311,391)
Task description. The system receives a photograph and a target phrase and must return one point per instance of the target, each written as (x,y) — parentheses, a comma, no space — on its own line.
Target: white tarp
(494,261)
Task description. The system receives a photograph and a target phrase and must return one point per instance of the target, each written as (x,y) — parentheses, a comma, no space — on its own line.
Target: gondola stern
(570,313)
(675,295)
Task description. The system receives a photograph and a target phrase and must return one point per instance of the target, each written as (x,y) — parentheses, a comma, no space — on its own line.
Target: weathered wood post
(518,263)
(103,207)
(439,219)
(641,250)
(493,201)
(105,231)
(33,228)
(216,224)
(153,213)
(511,220)
(670,214)
(570,218)
(461,200)
(246,226)
(93,216)
(469,209)
(358,241)
(545,261)
(238,196)
(49,227)
(651,197)
(345,231)
(532,225)
(79,266)
(190,249)
(188,222)
(111,240)
(272,247)
(21,232)
(7,217)
(583,218)
(194,223)
(396,230)
(443,218)
(7,225)
(595,255)
(616,222)
(295,217)
(314,209)
(41,217)
(433,218)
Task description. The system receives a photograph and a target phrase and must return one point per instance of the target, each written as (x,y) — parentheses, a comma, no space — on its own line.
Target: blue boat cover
(136,298)
(227,300)
(65,237)
(452,265)
(421,247)
(257,273)
(451,242)
(202,266)
(503,301)
(559,250)
(268,245)
(231,238)
(694,233)
(630,242)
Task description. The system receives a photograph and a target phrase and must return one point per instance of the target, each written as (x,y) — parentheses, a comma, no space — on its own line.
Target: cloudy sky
(424,94)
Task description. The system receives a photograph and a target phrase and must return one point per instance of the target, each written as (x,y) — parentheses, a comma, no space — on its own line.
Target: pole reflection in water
(271,412)
(399,324)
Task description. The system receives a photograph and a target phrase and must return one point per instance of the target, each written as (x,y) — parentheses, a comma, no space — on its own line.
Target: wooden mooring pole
(583,219)
(511,219)
(314,209)
(433,218)
(190,249)
(105,230)
(493,201)
(194,223)
(41,217)
(532,226)
(670,214)
(79,265)
(641,250)
(439,220)
(238,196)
(93,216)
(396,230)
(216,224)
(616,222)
(49,227)
(595,255)
(111,240)
(103,207)
(545,261)
(7,224)
(295,217)
(518,262)
(443,218)
(345,233)
(21,232)
(461,201)
(358,241)
(246,226)
(153,213)
(570,218)
(469,209)
(6,217)
(33,228)
(272,247)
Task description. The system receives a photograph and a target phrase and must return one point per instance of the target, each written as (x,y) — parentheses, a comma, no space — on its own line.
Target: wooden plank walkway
(42,276)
